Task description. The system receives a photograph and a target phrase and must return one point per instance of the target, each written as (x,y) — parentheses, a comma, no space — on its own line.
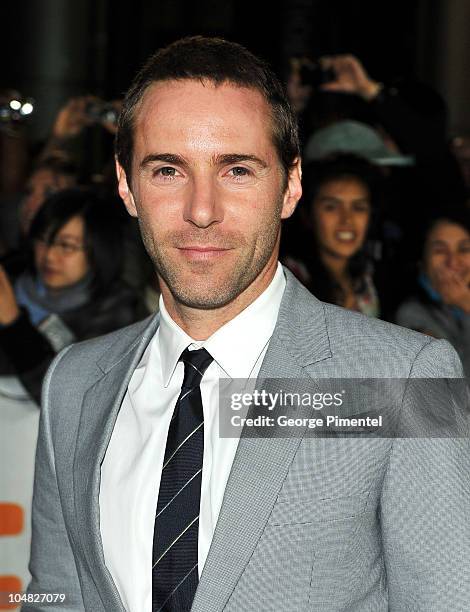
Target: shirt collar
(237,345)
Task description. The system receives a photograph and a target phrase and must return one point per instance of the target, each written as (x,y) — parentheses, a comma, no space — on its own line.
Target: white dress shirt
(131,470)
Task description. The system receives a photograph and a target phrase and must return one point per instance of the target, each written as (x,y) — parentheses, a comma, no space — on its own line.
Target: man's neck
(199,323)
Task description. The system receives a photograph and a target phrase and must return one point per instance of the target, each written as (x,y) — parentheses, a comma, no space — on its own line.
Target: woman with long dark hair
(326,244)
(73,289)
(440,304)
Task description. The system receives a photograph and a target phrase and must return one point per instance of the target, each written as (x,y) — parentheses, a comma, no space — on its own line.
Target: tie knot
(195,364)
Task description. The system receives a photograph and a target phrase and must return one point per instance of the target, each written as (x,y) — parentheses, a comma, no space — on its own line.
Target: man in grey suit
(208,160)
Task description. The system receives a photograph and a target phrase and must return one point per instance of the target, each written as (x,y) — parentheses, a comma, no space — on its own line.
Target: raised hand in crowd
(72,118)
(76,115)
(350,77)
(82,112)
(452,287)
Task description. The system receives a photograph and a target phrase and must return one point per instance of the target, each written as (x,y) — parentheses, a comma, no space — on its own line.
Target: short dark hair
(219,61)
(103,230)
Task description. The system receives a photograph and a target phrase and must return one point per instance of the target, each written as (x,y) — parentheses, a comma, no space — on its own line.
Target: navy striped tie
(175,539)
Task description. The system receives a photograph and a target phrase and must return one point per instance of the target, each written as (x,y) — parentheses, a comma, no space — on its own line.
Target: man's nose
(204,206)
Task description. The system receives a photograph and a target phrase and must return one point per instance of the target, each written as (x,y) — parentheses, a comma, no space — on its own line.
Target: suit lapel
(261,464)
(100,408)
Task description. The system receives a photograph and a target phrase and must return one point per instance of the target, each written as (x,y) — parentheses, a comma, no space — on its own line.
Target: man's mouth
(202,253)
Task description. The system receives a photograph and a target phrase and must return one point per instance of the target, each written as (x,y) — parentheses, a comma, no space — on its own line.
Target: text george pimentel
(311,423)
(317,401)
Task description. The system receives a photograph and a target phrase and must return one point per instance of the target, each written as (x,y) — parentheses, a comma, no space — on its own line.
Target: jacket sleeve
(52,564)
(425,502)
(28,351)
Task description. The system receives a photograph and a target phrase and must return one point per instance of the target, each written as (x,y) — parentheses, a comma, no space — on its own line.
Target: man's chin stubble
(205,298)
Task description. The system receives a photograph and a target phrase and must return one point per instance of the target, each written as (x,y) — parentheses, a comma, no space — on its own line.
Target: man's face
(208,189)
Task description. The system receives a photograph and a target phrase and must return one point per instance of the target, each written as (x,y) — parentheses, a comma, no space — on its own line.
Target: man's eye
(167,171)
(239,171)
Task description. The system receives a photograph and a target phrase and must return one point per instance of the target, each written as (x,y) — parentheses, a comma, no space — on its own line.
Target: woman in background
(327,252)
(73,290)
(440,306)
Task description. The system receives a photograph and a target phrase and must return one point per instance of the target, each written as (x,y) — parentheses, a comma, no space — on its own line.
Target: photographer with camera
(59,165)
(74,117)
(412,114)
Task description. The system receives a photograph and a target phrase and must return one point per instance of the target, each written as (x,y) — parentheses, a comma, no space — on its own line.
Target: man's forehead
(194,117)
(195,96)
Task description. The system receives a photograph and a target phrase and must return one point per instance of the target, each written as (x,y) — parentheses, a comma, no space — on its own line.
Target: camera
(313,74)
(102,112)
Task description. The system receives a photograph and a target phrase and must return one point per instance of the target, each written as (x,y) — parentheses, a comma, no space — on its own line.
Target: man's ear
(293,190)
(125,191)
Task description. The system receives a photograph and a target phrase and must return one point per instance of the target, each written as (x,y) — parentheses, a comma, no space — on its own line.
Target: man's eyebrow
(236,158)
(217,160)
(169,158)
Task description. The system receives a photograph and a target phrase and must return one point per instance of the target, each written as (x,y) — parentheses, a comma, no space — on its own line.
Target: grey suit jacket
(306,523)
(438,321)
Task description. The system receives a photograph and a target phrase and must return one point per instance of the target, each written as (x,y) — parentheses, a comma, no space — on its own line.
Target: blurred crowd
(383,226)
(72,264)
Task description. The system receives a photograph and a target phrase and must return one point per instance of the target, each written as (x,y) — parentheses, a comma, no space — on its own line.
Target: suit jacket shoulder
(331,341)
(393,345)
